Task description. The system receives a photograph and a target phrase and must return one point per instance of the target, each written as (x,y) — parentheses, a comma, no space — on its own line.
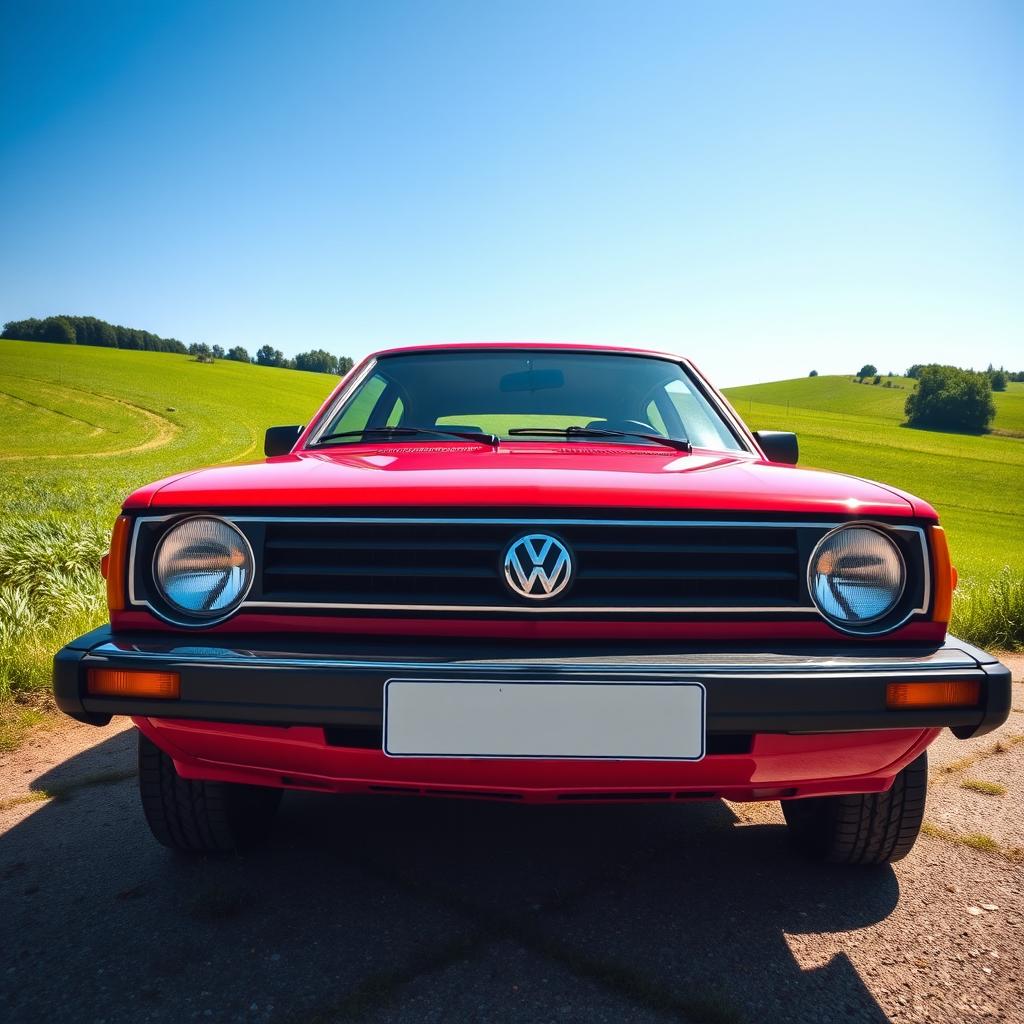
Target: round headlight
(856,576)
(203,567)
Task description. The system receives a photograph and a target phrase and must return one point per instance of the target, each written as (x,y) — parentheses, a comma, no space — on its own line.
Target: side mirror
(778,446)
(280,440)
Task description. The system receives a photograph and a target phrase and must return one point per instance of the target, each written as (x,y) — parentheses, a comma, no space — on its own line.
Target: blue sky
(765,187)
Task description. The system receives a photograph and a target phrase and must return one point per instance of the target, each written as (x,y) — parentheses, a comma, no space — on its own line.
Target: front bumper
(339,683)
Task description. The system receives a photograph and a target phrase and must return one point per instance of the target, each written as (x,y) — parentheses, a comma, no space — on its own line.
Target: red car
(533,573)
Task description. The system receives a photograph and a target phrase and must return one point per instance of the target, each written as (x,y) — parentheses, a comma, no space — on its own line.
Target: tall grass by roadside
(82,428)
(50,592)
(990,612)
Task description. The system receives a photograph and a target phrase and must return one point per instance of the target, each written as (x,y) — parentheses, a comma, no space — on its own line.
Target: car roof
(550,346)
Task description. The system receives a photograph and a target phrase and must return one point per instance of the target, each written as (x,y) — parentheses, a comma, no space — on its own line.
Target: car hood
(522,475)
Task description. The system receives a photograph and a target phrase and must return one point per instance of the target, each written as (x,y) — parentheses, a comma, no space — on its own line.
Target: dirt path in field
(95,427)
(164,429)
(391,910)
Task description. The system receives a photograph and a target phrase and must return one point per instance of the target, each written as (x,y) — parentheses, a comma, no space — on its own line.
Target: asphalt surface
(397,910)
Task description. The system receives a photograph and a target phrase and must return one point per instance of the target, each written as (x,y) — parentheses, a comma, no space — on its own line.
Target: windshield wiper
(679,444)
(385,432)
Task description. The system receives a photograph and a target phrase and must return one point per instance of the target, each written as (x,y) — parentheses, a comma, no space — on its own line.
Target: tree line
(950,397)
(88,330)
(947,397)
(998,379)
(316,361)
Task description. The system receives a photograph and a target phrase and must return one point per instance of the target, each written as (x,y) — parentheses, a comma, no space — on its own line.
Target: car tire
(865,828)
(200,817)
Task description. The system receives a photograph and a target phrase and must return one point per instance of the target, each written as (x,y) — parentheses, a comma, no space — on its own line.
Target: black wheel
(866,828)
(201,817)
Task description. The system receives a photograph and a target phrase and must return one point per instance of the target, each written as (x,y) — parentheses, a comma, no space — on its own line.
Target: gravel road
(395,910)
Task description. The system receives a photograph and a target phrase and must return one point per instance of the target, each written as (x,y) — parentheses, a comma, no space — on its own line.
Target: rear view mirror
(533,380)
(778,446)
(280,440)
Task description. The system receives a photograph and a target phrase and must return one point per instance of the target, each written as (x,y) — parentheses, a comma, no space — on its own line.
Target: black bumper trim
(339,682)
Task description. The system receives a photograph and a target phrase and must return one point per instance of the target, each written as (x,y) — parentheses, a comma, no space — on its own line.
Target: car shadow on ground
(399,909)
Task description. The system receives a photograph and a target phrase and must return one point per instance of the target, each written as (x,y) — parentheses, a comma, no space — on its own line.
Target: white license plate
(615,721)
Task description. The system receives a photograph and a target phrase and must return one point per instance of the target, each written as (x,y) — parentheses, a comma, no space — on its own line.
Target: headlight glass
(856,575)
(203,567)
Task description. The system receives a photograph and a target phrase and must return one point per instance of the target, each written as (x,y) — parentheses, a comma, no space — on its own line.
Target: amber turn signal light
(115,564)
(116,682)
(943,576)
(960,693)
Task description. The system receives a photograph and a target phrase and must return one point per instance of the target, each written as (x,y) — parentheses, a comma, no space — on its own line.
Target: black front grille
(623,566)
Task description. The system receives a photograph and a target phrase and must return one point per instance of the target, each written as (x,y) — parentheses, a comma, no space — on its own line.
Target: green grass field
(975,482)
(82,427)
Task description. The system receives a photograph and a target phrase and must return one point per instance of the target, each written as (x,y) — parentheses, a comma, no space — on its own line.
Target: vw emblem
(538,566)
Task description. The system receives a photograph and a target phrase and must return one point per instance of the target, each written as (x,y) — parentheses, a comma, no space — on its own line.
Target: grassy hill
(82,427)
(975,482)
(843,395)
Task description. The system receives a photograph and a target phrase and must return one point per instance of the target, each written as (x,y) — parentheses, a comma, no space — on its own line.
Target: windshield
(503,392)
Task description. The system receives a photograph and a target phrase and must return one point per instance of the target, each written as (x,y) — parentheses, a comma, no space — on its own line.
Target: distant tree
(218,352)
(57,328)
(997,378)
(878,380)
(267,355)
(915,371)
(813,373)
(344,365)
(867,370)
(86,332)
(952,399)
(238,354)
(317,361)
(104,335)
(23,330)
(201,351)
